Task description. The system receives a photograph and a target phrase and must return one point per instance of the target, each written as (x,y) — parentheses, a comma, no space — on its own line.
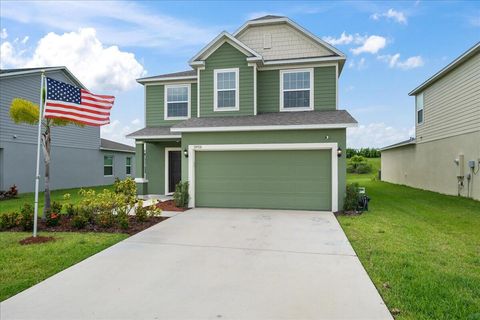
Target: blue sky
(391,47)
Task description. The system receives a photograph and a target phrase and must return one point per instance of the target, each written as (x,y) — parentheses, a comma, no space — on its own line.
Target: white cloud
(371,45)
(117,131)
(99,67)
(25,39)
(392,14)
(395,62)
(376,135)
(360,65)
(3,34)
(346,38)
(133,23)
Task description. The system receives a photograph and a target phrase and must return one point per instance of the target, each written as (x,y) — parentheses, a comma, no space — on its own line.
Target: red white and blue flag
(68,102)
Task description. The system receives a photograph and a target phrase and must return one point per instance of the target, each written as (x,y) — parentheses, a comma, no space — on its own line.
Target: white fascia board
(159,79)
(302,60)
(266,128)
(295,26)
(155,137)
(46,70)
(220,39)
(117,150)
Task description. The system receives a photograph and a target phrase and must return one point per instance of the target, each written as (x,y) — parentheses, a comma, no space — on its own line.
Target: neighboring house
(445,155)
(255,124)
(79,157)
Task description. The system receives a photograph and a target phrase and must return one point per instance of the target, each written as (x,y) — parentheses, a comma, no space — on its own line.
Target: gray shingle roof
(268,17)
(5,71)
(273,119)
(116,146)
(400,144)
(153,132)
(187,73)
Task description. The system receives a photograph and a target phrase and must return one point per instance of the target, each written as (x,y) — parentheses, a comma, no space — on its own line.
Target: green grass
(23,266)
(424,245)
(56,195)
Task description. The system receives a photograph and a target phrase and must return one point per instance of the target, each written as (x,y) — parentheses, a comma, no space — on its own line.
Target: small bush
(141,213)
(56,207)
(25,218)
(12,192)
(70,209)
(351,197)
(79,221)
(8,220)
(123,221)
(53,218)
(181,196)
(358,164)
(105,219)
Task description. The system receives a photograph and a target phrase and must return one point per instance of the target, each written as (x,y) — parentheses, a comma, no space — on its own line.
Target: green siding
(268,89)
(264,179)
(139,160)
(290,136)
(155,165)
(155,105)
(226,56)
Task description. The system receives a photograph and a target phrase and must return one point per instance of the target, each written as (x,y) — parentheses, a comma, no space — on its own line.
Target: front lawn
(56,195)
(420,248)
(24,266)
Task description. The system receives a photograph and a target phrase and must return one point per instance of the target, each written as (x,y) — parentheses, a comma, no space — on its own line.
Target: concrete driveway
(214,264)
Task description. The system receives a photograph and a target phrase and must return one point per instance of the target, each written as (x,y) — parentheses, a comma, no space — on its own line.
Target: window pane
(226,99)
(177,109)
(107,160)
(177,94)
(296,99)
(129,161)
(419,101)
(108,171)
(420,116)
(296,80)
(225,80)
(129,170)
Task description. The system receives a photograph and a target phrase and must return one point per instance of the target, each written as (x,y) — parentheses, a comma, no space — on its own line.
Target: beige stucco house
(444,156)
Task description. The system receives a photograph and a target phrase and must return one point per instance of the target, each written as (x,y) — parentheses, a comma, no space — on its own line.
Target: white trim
(285,71)
(297,66)
(198,90)
(217,42)
(416,109)
(302,60)
(167,174)
(261,147)
(128,166)
(237,90)
(112,165)
(254,89)
(45,70)
(140,180)
(159,79)
(116,150)
(165,101)
(336,86)
(266,128)
(156,137)
(294,25)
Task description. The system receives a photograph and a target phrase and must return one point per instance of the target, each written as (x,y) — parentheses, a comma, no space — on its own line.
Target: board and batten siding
(226,56)
(324,90)
(452,104)
(28,87)
(286,42)
(155,104)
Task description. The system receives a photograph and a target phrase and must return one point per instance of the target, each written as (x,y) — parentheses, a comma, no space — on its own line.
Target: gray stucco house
(79,156)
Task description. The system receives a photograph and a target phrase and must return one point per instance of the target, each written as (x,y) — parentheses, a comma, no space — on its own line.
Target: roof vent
(267,41)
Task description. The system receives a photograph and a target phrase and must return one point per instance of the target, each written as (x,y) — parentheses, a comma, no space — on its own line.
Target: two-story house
(254,124)
(79,157)
(444,156)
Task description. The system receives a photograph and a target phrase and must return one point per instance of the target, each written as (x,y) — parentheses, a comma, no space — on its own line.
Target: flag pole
(37,173)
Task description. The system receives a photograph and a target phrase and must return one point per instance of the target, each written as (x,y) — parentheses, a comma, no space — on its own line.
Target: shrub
(25,218)
(358,164)
(70,209)
(105,219)
(141,213)
(10,193)
(8,220)
(56,207)
(181,196)
(123,221)
(53,218)
(127,188)
(351,197)
(79,221)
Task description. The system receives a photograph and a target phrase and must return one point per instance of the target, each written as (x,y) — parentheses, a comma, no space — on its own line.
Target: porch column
(140,179)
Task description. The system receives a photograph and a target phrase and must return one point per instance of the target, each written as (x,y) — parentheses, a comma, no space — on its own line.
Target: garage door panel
(264,179)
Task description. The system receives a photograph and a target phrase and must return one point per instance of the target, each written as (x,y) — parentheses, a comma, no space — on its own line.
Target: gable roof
(452,65)
(182,75)
(26,71)
(109,145)
(223,37)
(271,19)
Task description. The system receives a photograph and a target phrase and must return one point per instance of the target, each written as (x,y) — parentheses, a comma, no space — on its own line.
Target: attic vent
(267,41)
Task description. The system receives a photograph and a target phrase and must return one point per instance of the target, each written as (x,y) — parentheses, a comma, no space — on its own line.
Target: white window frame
(216,90)
(112,165)
(165,102)
(422,108)
(128,166)
(285,71)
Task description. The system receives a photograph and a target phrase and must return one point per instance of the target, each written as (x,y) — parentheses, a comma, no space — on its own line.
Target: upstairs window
(108,166)
(419,107)
(128,165)
(226,90)
(177,102)
(296,90)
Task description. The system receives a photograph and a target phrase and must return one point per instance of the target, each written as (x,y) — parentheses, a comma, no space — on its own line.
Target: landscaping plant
(8,220)
(141,213)
(358,164)
(25,218)
(351,197)
(181,195)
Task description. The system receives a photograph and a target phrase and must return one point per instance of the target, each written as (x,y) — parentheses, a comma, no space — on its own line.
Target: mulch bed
(169,205)
(37,239)
(64,225)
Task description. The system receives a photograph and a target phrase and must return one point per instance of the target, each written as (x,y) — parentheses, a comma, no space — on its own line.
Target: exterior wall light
(339,152)
(185,152)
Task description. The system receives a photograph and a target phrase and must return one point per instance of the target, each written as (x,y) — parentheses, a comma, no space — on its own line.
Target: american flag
(68,102)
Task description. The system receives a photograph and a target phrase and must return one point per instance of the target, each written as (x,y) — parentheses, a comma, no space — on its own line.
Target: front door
(174,169)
